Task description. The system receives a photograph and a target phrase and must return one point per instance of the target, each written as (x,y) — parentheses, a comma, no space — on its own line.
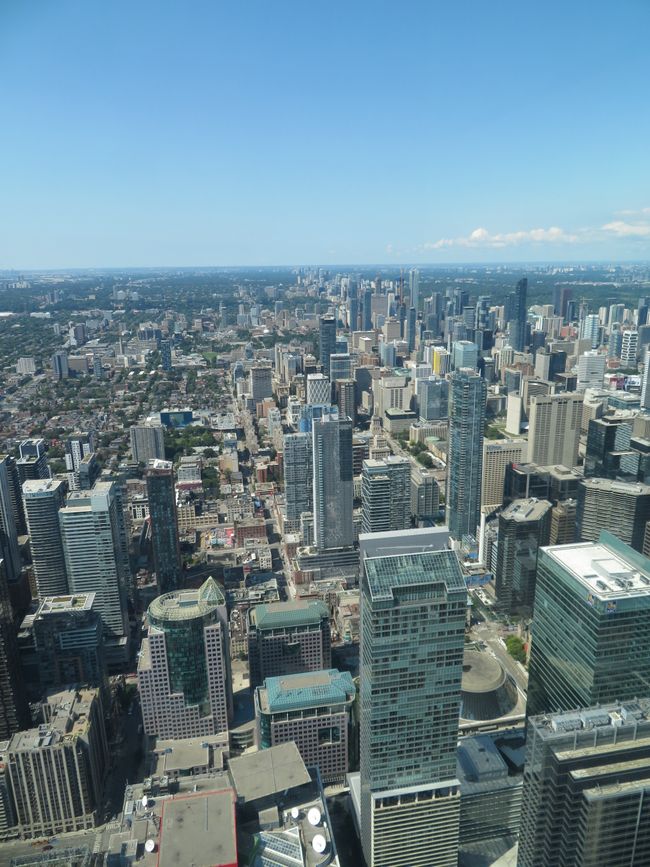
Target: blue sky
(269,132)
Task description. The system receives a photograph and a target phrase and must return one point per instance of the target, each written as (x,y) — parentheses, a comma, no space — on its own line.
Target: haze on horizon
(207,134)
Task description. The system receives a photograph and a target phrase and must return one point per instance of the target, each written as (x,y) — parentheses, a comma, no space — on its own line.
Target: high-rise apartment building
(497,456)
(287,638)
(554,429)
(147,442)
(629,349)
(92,533)
(164,525)
(298,483)
(589,599)
(166,355)
(622,508)
(9,550)
(42,500)
(524,526)
(464,354)
(312,709)
(261,382)
(645,381)
(62,642)
(585,799)
(590,330)
(56,771)
(467,399)
(327,341)
(518,326)
(13,706)
(183,668)
(78,448)
(413,608)
(333,482)
(414,288)
(32,463)
(386,495)
(60,365)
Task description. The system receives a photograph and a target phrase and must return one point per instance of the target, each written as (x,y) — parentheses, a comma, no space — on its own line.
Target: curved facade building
(184,669)
(487,691)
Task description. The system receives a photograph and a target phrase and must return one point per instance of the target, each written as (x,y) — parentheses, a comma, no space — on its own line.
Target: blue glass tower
(467,399)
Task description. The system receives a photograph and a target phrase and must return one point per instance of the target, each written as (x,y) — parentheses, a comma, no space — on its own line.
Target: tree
(425,459)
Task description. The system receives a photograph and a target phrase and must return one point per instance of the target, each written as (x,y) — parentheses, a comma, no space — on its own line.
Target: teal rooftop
(386,574)
(306,690)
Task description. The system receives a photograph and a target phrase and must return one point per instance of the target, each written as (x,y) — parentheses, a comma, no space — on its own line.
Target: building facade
(524,526)
(386,495)
(183,669)
(468,394)
(288,638)
(333,482)
(164,525)
(313,709)
(586,783)
(589,599)
(42,500)
(413,606)
(147,442)
(554,429)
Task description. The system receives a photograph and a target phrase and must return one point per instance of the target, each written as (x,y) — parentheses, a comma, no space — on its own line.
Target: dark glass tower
(467,397)
(164,525)
(13,705)
(518,333)
(327,335)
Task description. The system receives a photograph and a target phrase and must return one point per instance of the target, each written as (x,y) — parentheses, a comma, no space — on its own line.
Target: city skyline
(155,137)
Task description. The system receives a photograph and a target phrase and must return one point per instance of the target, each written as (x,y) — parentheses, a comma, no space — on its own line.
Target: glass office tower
(467,399)
(591,620)
(413,606)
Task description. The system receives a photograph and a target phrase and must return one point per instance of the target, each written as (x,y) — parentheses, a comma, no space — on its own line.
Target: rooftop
(306,690)
(266,772)
(633,489)
(608,569)
(199,829)
(530,509)
(187,604)
(385,574)
(633,714)
(298,612)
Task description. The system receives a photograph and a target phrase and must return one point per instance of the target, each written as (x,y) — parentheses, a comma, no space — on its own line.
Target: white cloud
(481,237)
(639,212)
(623,229)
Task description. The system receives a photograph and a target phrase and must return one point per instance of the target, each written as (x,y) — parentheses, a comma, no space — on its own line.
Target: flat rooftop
(386,573)
(530,509)
(607,571)
(267,772)
(199,829)
(306,690)
(297,612)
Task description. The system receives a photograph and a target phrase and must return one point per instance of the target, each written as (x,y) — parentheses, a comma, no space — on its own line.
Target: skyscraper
(585,800)
(327,344)
(77,448)
(60,365)
(413,606)
(147,442)
(13,706)
(524,526)
(590,598)
(298,481)
(261,381)
(61,643)
(433,398)
(42,500)
(497,456)
(32,463)
(184,668)
(8,519)
(411,328)
(287,638)
(554,429)
(345,397)
(96,562)
(414,288)
(645,382)
(333,482)
(468,394)
(622,508)
(386,495)
(340,366)
(519,325)
(166,354)
(319,389)
(164,525)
